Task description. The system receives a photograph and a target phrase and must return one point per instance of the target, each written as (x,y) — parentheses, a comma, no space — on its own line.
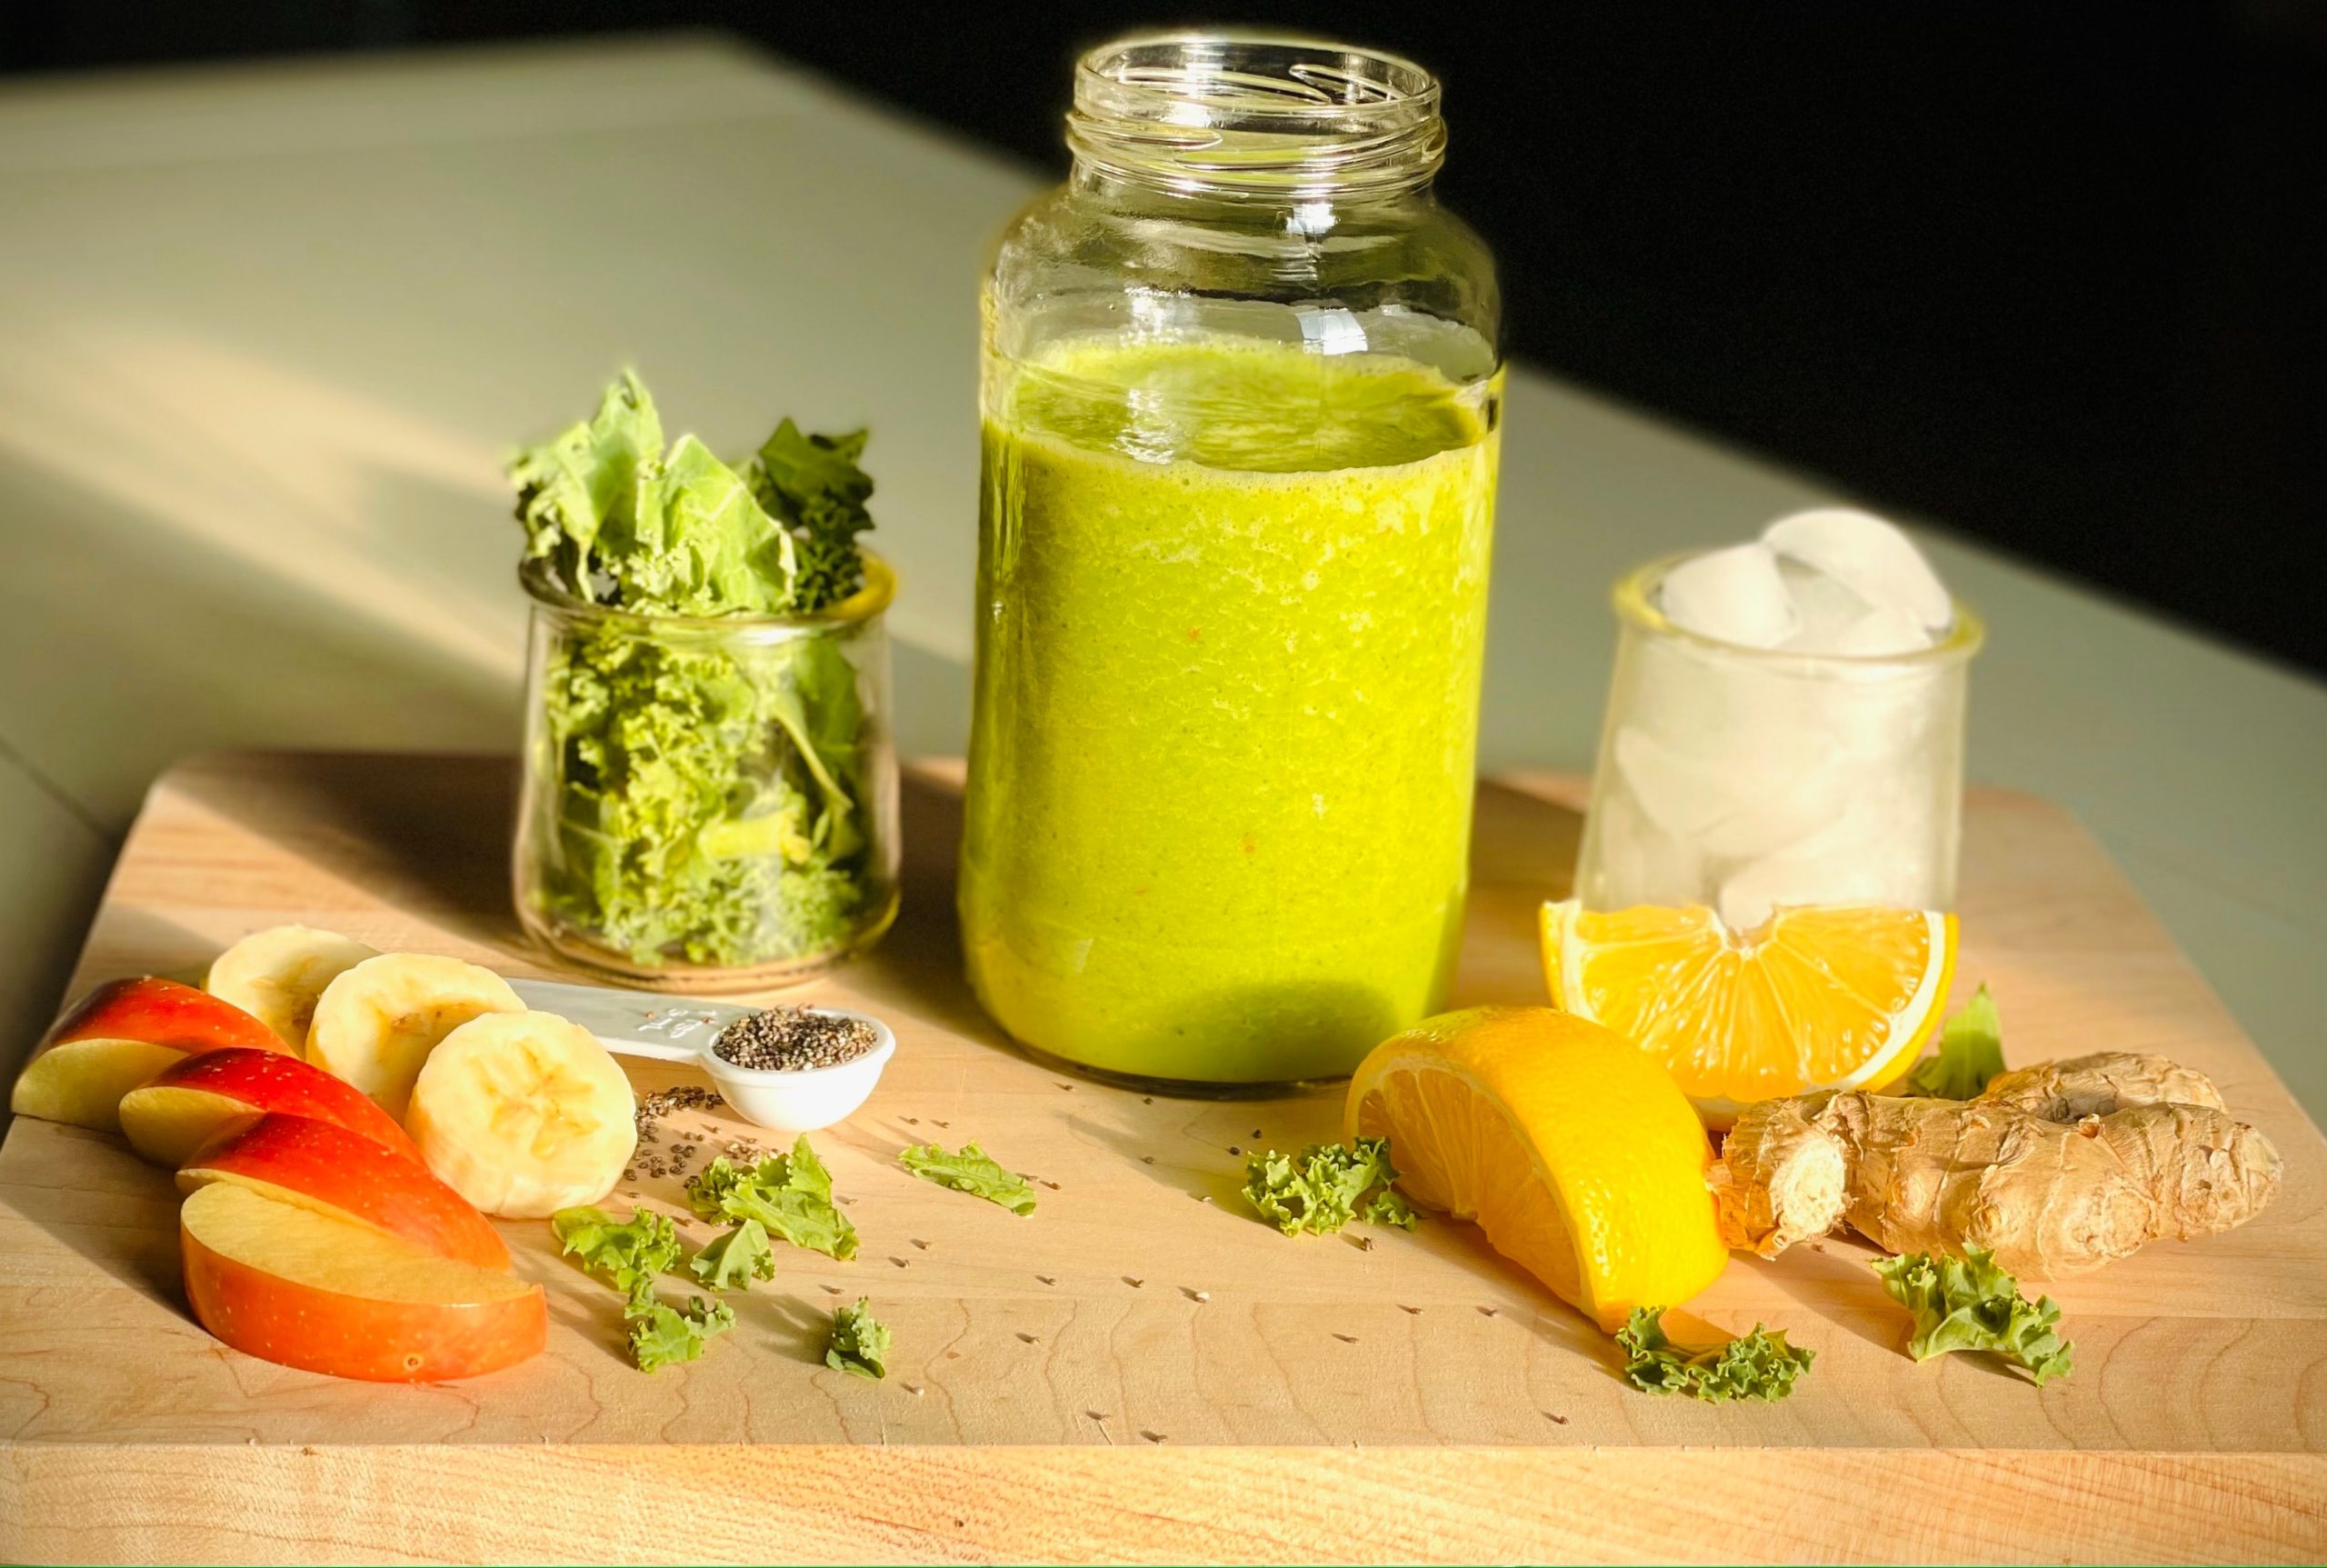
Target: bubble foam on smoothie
(1242,404)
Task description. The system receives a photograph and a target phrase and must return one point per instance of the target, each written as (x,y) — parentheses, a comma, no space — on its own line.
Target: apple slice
(168,1118)
(119,1036)
(292,1285)
(323,1166)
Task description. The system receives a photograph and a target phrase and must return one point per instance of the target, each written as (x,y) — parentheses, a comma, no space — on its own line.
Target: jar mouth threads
(1228,114)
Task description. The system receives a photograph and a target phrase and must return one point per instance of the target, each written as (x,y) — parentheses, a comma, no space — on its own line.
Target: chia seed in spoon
(794,1040)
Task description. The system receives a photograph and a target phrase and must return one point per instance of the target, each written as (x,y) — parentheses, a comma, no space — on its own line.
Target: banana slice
(376,1023)
(277,974)
(522,1115)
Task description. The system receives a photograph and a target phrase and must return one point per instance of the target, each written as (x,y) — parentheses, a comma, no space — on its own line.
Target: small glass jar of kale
(710,791)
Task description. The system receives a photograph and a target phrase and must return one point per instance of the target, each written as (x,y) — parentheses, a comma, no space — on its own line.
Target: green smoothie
(1231,602)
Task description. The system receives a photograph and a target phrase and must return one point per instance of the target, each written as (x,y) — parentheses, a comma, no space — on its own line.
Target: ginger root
(2058,1169)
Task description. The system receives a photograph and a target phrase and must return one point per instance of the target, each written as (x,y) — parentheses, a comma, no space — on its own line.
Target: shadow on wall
(283,562)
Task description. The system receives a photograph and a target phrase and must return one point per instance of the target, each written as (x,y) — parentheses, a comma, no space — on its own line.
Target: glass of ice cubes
(1786,726)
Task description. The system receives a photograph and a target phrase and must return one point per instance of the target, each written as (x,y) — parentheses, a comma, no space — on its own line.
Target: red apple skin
(160,1012)
(294,1323)
(323,1166)
(119,1036)
(170,1115)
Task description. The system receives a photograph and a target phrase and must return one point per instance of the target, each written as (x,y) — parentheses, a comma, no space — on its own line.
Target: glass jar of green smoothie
(1241,387)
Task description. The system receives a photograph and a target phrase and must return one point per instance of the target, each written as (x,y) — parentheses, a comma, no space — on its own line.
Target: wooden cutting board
(1141,1371)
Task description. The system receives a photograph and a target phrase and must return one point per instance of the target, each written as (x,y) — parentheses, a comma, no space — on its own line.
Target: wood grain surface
(1142,1370)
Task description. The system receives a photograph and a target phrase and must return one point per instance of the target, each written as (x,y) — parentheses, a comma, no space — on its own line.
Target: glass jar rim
(880,590)
(1634,597)
(1230,112)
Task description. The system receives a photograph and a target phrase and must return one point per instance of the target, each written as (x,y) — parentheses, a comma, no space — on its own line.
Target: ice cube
(1636,863)
(1745,791)
(1822,606)
(1734,596)
(1874,559)
(1882,631)
(1831,617)
(1872,851)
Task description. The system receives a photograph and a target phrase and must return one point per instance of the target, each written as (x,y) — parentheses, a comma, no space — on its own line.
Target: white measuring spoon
(668,1029)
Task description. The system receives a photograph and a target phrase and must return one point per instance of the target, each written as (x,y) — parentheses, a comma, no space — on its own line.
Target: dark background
(2049,274)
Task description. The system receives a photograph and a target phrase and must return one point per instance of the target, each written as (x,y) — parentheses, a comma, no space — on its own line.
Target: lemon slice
(1576,1154)
(1818,997)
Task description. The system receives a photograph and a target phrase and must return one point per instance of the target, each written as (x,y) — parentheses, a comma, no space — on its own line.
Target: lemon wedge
(1819,997)
(1572,1149)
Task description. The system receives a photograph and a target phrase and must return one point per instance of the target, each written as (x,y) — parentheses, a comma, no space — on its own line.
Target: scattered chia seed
(654,1109)
(794,1040)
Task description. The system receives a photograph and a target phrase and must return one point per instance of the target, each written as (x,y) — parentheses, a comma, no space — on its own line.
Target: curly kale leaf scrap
(624,522)
(589,480)
(1325,1187)
(860,1342)
(1969,1303)
(971,1171)
(733,1261)
(1758,1365)
(1389,1207)
(661,1334)
(812,483)
(1971,1052)
(708,548)
(629,1253)
(791,1195)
